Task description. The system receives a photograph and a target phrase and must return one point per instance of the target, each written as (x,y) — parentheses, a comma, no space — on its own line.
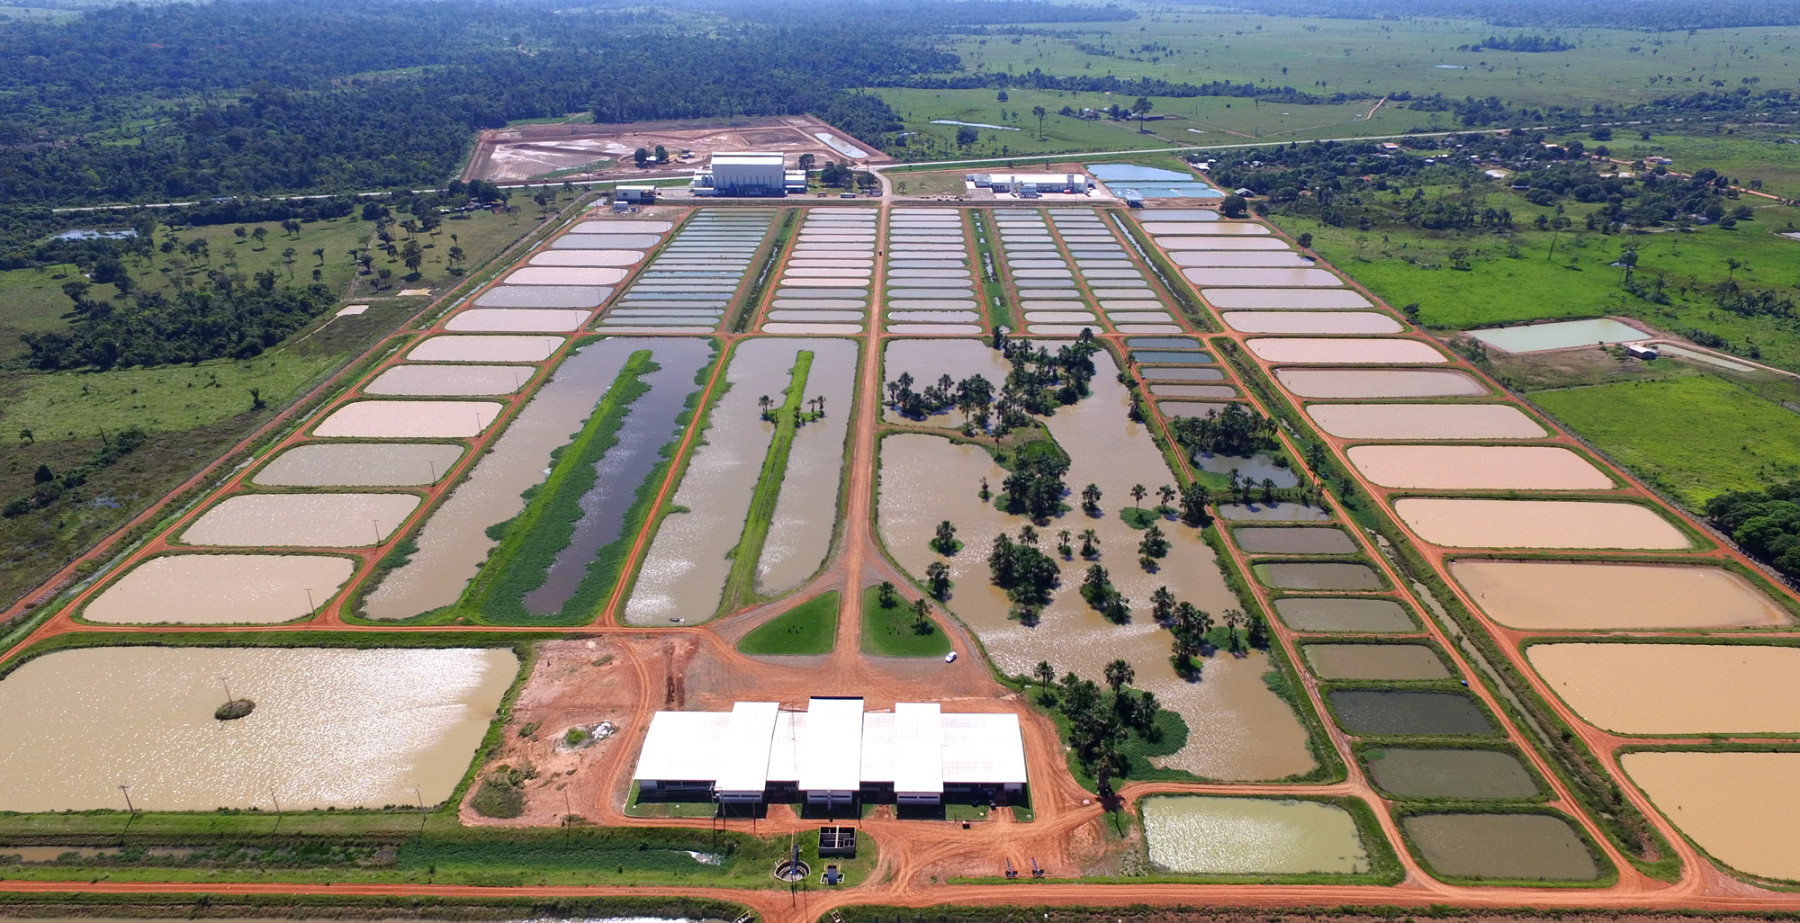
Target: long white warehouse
(831,753)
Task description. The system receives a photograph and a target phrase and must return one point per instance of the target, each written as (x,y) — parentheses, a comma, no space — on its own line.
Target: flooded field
(301,520)
(646,428)
(360,464)
(450,380)
(1531,338)
(1477,467)
(1326,351)
(332,728)
(408,420)
(1468,523)
(1461,774)
(1343,614)
(485,349)
(1424,421)
(1675,688)
(1734,805)
(1366,712)
(1294,541)
(1302,575)
(1375,661)
(926,360)
(806,509)
(1238,729)
(683,575)
(1203,835)
(239,589)
(1526,847)
(453,542)
(1374,383)
(1564,596)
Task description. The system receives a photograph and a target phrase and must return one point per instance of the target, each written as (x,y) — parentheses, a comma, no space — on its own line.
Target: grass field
(1609,66)
(888,631)
(1517,279)
(809,628)
(1695,437)
(1775,162)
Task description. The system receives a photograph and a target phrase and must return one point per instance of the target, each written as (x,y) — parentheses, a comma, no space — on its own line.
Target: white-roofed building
(832,753)
(744,173)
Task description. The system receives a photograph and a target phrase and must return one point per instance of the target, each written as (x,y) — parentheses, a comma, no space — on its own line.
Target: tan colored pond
(1311,322)
(485,349)
(360,464)
(1285,299)
(1261,278)
(302,520)
(683,574)
(1478,467)
(1424,421)
(454,541)
(1207,835)
(926,360)
(1238,729)
(450,380)
(408,420)
(1455,522)
(806,509)
(1568,596)
(1676,688)
(567,275)
(1734,805)
(1348,352)
(1371,383)
(220,589)
(1375,661)
(332,728)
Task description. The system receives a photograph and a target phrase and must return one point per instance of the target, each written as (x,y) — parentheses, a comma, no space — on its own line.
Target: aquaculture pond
(1532,338)
(1563,595)
(360,464)
(1477,467)
(1313,575)
(1737,806)
(240,589)
(331,728)
(1333,384)
(1529,847)
(1676,688)
(1295,540)
(1205,835)
(1375,661)
(301,520)
(1424,421)
(1257,468)
(1153,183)
(1366,712)
(1470,774)
(1472,523)
(1343,614)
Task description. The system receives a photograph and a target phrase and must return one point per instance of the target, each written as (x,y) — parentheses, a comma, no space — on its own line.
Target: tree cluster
(1101,720)
(156,329)
(1764,523)
(50,486)
(1027,575)
(1236,431)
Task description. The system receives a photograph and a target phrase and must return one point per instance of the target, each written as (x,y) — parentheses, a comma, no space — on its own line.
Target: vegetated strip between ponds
(557,557)
(741,583)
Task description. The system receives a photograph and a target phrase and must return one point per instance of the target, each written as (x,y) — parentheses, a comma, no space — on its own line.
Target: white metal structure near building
(832,753)
(745,173)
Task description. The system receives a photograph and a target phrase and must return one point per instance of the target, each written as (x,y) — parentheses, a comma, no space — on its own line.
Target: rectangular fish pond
(1205,835)
(1366,712)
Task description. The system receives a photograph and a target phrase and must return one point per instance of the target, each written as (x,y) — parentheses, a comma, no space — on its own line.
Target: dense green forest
(1649,15)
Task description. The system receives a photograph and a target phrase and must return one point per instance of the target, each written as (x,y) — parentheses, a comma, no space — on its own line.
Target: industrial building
(744,173)
(832,753)
(1031,185)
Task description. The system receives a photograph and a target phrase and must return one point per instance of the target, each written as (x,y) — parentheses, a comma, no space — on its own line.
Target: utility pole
(125,788)
(310,607)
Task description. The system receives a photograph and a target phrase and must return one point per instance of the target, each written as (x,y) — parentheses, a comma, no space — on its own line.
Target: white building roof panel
(983,749)
(680,746)
(748,739)
(831,746)
(878,747)
(919,752)
(784,750)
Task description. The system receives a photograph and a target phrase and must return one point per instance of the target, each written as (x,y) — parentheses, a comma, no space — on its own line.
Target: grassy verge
(887,631)
(809,628)
(740,584)
(532,539)
(746,307)
(993,288)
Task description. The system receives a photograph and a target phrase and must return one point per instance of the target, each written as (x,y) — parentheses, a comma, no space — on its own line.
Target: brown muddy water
(1462,774)
(1206,835)
(485,349)
(1366,712)
(806,510)
(332,728)
(1469,523)
(1557,595)
(683,575)
(1424,421)
(1478,467)
(1676,688)
(1343,614)
(1306,575)
(237,589)
(360,464)
(1375,661)
(1238,729)
(408,420)
(1530,847)
(1325,351)
(450,380)
(1277,299)
(1371,383)
(1736,806)
(1311,322)
(453,542)
(926,360)
(301,520)
(1298,540)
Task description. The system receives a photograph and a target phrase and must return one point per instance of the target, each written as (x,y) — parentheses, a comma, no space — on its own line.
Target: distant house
(1638,351)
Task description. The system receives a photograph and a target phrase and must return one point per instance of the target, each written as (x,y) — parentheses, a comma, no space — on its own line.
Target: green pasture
(1608,66)
(887,631)
(1775,161)
(809,628)
(1695,436)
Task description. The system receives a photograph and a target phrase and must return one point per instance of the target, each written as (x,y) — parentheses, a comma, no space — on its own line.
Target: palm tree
(1090,499)
(1028,536)
(1141,108)
(1119,674)
(1040,112)
(1167,495)
(1045,674)
(1137,494)
(1090,543)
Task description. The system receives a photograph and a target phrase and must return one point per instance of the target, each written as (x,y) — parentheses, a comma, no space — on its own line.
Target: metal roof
(744,764)
(831,746)
(756,158)
(679,746)
(919,752)
(983,749)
